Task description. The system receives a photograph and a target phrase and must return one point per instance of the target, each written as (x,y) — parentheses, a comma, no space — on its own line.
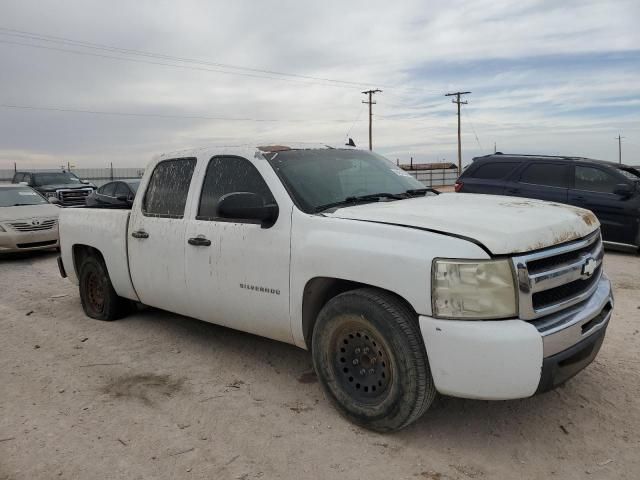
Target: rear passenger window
(549,174)
(594,180)
(228,175)
(166,194)
(494,171)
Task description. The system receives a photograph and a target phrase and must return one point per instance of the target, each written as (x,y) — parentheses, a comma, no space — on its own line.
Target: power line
(188,67)
(310,79)
(157,115)
(458,102)
(370,102)
(141,53)
(468,115)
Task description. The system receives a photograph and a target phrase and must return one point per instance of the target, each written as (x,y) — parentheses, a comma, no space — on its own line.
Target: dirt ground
(161,396)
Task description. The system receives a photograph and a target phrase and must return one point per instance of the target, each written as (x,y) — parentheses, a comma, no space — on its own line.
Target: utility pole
(457,101)
(619,148)
(370,102)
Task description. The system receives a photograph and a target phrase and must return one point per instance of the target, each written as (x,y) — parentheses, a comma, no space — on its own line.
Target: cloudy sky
(551,77)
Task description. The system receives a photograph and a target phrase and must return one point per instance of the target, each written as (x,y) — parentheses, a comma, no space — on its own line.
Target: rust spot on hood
(588,217)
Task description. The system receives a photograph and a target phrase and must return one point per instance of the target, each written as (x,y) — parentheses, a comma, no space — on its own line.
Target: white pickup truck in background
(398,292)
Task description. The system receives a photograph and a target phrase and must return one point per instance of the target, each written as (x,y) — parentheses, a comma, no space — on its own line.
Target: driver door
(238,271)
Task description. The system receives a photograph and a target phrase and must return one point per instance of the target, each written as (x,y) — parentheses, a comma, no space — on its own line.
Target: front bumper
(507,359)
(11,241)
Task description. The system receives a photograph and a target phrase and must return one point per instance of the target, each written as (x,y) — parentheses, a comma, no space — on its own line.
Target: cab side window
(594,180)
(166,194)
(229,175)
(548,174)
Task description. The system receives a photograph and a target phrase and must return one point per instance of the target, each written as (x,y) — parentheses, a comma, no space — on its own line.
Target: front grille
(36,244)
(74,198)
(34,225)
(559,294)
(557,278)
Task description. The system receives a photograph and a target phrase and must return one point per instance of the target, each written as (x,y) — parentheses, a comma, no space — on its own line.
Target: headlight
(475,289)
(51,194)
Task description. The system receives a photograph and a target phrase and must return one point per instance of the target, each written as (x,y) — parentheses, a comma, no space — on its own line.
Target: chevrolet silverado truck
(398,292)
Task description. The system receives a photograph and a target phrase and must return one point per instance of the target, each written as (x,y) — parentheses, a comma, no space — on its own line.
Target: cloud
(546,77)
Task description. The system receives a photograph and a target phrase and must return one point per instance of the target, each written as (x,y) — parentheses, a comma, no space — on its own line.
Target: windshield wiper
(418,191)
(372,197)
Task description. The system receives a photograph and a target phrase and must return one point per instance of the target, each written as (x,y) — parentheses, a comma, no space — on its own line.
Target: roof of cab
(245,150)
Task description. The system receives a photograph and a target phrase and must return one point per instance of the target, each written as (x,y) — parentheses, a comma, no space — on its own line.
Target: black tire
(371,360)
(99,299)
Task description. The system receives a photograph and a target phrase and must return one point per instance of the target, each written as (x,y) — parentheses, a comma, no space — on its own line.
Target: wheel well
(80,252)
(318,291)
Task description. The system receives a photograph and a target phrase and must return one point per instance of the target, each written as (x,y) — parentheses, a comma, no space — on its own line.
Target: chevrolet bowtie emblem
(589,267)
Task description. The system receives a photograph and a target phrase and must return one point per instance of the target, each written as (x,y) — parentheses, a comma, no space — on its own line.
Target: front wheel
(99,299)
(371,360)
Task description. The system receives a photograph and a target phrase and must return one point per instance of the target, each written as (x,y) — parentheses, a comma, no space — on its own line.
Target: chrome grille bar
(572,269)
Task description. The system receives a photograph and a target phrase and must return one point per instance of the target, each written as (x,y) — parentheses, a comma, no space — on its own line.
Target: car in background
(65,186)
(117,194)
(610,190)
(28,221)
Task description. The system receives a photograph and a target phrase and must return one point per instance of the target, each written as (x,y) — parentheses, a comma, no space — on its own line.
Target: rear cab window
(168,188)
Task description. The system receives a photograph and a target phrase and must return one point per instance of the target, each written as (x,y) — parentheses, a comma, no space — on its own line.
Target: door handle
(140,234)
(199,241)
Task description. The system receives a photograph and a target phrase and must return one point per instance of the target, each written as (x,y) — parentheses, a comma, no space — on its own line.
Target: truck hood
(503,225)
(70,186)
(46,210)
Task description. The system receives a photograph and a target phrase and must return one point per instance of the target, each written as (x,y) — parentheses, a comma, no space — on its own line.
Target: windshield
(134,185)
(11,197)
(56,178)
(631,174)
(321,177)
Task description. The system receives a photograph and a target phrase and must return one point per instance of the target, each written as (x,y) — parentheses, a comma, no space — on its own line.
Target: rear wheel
(369,355)
(99,299)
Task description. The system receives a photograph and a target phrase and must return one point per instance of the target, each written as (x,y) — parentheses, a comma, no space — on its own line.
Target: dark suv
(70,190)
(610,190)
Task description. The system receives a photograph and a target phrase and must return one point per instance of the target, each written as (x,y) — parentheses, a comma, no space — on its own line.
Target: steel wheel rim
(361,363)
(95,291)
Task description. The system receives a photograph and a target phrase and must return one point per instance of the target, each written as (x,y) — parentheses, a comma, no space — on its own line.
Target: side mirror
(53,200)
(247,206)
(624,190)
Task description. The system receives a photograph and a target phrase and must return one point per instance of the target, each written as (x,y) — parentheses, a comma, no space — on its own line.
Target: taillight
(458,186)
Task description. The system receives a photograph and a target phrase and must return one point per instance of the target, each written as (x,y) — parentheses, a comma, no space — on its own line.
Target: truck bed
(105,230)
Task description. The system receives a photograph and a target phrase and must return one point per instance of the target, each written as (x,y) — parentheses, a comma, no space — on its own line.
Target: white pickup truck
(398,292)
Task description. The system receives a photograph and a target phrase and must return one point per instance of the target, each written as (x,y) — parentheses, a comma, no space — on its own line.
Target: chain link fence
(99,176)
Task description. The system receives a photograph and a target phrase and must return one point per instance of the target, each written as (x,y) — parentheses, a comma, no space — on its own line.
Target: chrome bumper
(564,329)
